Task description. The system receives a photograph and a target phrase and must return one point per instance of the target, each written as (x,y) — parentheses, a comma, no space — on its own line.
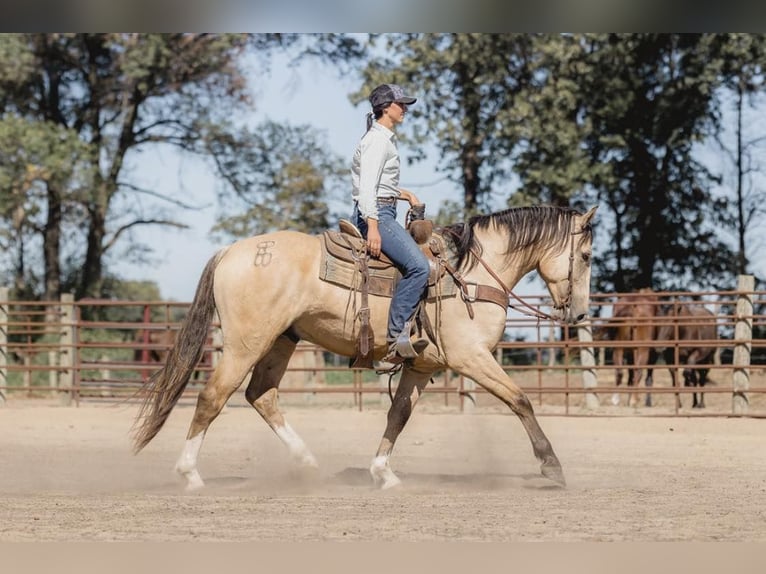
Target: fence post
(67,350)
(588,362)
(3,341)
(743,335)
(52,318)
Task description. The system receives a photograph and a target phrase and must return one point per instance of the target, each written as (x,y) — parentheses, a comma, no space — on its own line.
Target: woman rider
(375,179)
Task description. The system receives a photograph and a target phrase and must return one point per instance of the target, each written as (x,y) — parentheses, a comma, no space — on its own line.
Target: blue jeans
(400,247)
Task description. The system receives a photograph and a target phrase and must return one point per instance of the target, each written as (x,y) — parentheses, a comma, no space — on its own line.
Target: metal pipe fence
(99,350)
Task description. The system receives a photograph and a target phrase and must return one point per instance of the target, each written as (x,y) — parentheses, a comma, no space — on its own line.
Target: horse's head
(566,272)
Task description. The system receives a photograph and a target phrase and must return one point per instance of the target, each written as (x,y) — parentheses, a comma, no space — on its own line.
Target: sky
(311,94)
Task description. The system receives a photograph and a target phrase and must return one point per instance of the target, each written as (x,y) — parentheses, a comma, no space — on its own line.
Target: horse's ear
(587,217)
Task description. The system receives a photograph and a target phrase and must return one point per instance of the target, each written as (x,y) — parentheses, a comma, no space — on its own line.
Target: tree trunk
(52,245)
(92,273)
(741,225)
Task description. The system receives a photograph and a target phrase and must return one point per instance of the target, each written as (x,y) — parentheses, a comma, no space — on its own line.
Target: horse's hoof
(615,400)
(308,462)
(194,481)
(553,472)
(390,482)
(382,475)
(306,473)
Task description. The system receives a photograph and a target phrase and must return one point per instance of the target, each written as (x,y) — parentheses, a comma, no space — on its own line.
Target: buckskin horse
(269,295)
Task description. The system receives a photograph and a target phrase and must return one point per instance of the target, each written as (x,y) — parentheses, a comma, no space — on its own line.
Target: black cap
(388,94)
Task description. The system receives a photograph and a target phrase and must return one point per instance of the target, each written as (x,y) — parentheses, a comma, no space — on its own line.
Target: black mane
(548,226)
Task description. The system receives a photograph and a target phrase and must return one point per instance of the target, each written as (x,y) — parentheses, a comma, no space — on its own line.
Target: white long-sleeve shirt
(375,169)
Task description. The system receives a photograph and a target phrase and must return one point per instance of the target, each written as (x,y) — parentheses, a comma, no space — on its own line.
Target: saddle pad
(345,247)
(338,267)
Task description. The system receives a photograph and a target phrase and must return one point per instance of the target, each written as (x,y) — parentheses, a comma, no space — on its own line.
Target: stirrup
(403,349)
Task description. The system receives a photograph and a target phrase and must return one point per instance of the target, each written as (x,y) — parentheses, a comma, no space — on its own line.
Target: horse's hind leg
(701,380)
(482,368)
(409,390)
(693,378)
(262,393)
(226,378)
(670,359)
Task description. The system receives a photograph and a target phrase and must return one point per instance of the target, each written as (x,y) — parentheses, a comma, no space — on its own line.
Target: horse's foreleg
(617,359)
(649,378)
(670,359)
(641,359)
(411,385)
(262,394)
(226,378)
(482,368)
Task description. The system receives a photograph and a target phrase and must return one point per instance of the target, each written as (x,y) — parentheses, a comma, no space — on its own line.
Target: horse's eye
(586,256)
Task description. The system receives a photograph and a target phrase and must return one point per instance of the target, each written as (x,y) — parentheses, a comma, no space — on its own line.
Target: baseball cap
(389,93)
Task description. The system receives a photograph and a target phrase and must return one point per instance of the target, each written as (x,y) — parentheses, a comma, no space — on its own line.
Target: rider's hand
(409,196)
(373,237)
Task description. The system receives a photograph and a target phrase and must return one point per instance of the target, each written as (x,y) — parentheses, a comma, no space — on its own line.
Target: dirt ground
(68,474)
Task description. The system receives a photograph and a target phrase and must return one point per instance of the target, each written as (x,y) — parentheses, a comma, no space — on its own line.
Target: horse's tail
(165,387)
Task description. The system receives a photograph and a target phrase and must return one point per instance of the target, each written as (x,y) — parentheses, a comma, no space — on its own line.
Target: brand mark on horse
(263,256)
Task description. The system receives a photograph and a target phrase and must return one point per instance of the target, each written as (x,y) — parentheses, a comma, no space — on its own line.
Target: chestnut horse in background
(691,325)
(153,345)
(634,322)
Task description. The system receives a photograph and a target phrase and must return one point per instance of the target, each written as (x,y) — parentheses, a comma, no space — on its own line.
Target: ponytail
(376,114)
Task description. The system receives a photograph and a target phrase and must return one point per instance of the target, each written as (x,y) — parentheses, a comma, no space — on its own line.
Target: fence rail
(91,350)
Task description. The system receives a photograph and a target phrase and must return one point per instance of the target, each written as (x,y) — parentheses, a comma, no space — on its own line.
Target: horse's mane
(544,226)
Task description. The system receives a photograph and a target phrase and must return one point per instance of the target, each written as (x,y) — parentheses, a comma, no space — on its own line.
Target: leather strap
(484,293)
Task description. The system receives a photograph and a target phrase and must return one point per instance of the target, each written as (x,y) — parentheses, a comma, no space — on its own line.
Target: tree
(657,101)
(643,103)
(551,161)
(43,169)
(108,98)
(283,179)
(119,94)
(744,79)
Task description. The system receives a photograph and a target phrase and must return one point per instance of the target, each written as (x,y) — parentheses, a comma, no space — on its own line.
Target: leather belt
(386,200)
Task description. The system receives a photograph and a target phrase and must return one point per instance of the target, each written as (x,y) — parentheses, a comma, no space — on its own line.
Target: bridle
(524,307)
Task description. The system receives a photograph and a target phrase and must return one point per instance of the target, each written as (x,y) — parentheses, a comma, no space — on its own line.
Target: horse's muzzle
(565,316)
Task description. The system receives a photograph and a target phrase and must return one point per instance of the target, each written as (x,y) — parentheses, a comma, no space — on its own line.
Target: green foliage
(652,101)
(115,95)
(283,178)
(44,167)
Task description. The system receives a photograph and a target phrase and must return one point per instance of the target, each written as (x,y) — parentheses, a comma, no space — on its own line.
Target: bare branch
(164,197)
(124,228)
